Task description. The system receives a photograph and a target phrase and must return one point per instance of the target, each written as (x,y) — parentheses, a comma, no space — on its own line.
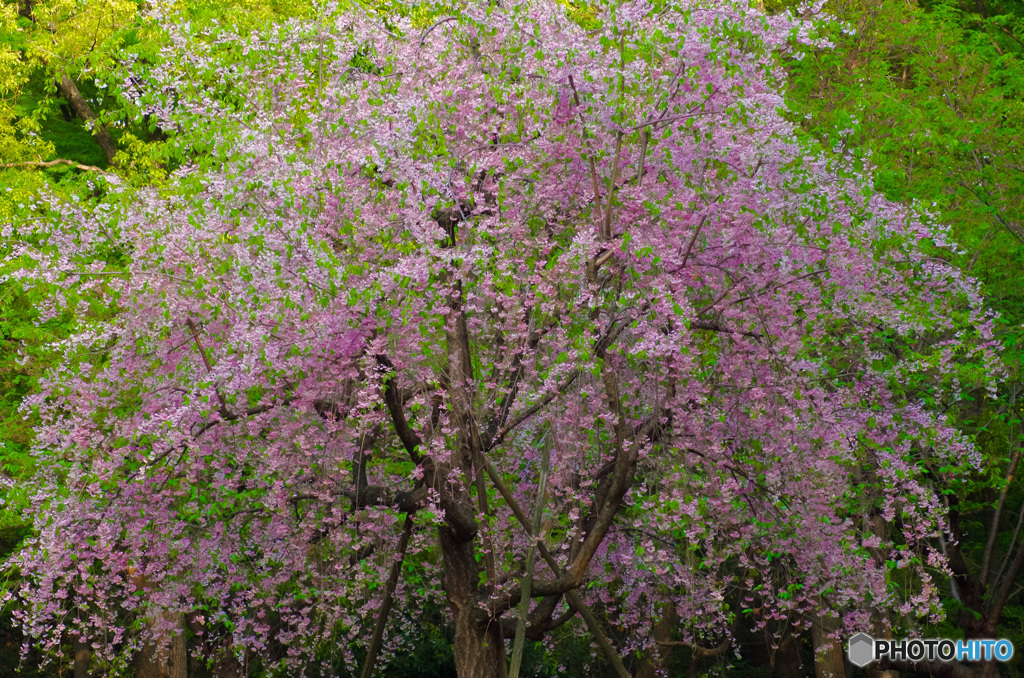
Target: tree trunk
(477,654)
(82,109)
(83,653)
(659,658)
(982,602)
(881,630)
(786,659)
(169,661)
(228,666)
(828,651)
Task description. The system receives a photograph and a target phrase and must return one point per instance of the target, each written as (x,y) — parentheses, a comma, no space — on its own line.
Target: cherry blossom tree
(411,276)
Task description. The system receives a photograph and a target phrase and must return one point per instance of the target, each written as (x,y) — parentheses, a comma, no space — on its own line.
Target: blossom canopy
(407,271)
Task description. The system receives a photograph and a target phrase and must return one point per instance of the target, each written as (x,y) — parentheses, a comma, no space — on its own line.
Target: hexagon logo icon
(861,649)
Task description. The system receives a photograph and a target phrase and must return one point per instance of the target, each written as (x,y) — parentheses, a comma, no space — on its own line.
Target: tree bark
(477,655)
(828,651)
(169,661)
(82,109)
(660,657)
(83,653)
(983,603)
(874,670)
(786,658)
(228,666)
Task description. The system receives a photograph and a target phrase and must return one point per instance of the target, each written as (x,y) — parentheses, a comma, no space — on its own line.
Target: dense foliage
(932,98)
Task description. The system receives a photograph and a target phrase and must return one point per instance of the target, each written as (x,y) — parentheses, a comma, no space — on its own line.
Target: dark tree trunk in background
(83,653)
(661,656)
(984,593)
(786,660)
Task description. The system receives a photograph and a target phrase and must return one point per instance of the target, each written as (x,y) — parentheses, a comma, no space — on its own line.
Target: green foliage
(931,97)
(65,136)
(934,101)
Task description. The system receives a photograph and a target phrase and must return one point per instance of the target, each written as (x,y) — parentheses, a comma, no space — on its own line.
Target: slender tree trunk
(83,653)
(389,599)
(982,602)
(82,109)
(828,651)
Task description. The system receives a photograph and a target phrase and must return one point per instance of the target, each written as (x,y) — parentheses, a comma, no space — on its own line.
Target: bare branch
(689,247)
(986,562)
(54,163)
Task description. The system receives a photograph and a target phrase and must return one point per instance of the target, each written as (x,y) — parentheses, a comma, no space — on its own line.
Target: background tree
(930,97)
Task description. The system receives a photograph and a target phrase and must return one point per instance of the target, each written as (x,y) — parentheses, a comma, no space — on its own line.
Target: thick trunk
(82,109)
(228,666)
(786,659)
(876,670)
(168,661)
(881,630)
(478,653)
(660,657)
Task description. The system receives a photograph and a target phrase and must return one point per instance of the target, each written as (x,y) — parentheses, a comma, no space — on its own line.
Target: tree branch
(393,402)
(574,599)
(715,327)
(81,107)
(54,163)
(389,597)
(986,561)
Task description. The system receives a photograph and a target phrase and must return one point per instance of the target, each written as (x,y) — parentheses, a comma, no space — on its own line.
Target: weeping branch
(531,556)
(389,599)
(590,155)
